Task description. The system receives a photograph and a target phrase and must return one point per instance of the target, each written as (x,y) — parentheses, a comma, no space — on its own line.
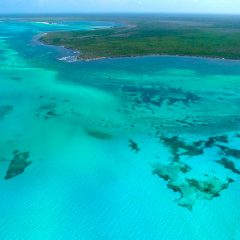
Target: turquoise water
(133,148)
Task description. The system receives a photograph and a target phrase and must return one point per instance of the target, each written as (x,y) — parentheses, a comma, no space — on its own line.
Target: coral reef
(134,146)
(176,145)
(153,95)
(228,164)
(190,189)
(230,151)
(179,175)
(18,164)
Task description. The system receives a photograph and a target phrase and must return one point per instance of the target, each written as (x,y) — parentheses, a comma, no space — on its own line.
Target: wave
(52,23)
(46,23)
(68,59)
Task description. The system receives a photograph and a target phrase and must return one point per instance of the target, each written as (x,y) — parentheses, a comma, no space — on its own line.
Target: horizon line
(124,13)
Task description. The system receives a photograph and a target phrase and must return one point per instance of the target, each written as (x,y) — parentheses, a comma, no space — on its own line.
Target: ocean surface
(141,148)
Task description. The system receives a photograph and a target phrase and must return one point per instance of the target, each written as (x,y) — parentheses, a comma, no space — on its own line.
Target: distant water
(130,148)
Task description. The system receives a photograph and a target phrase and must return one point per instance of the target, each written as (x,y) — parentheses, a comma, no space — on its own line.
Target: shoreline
(156,55)
(79,58)
(151,37)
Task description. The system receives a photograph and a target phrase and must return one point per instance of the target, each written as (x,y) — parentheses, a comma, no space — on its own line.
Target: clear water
(95,133)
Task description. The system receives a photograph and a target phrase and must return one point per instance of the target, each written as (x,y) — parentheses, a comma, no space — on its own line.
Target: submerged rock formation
(190,189)
(18,164)
(228,164)
(134,146)
(171,171)
(179,147)
(230,151)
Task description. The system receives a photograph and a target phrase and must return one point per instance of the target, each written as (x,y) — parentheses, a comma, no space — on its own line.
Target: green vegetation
(209,36)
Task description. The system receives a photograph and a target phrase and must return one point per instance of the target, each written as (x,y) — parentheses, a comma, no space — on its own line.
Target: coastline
(151,37)
(80,58)
(156,55)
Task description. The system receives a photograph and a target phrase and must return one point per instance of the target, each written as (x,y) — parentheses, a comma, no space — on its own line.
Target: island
(143,35)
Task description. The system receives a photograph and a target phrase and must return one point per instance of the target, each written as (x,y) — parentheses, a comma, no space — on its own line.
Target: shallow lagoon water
(134,148)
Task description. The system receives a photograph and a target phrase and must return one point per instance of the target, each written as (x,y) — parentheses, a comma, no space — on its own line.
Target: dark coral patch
(48,106)
(230,151)
(171,171)
(212,140)
(134,146)
(151,95)
(17,79)
(4,110)
(179,147)
(52,113)
(18,164)
(176,145)
(211,187)
(99,134)
(47,111)
(228,164)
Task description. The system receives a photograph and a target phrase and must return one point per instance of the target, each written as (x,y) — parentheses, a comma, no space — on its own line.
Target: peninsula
(141,35)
